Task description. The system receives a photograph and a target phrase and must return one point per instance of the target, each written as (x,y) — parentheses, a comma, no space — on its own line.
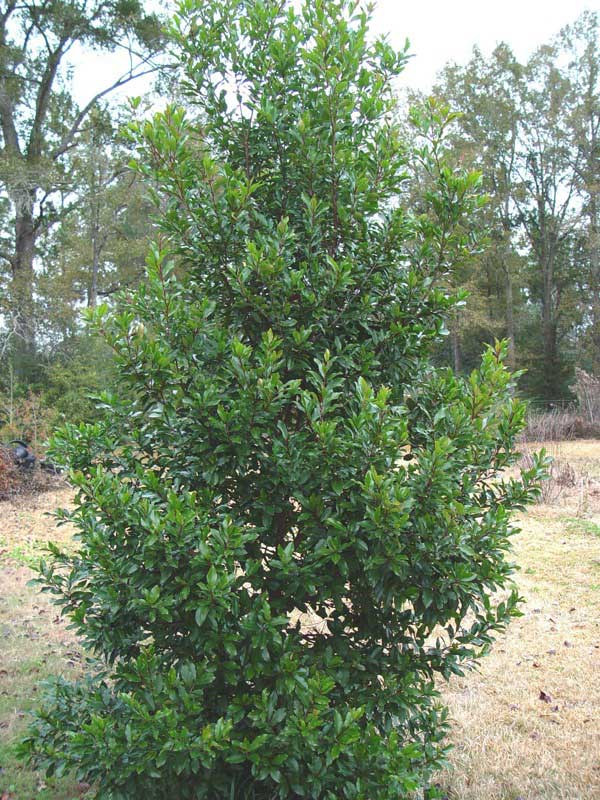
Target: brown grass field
(526,726)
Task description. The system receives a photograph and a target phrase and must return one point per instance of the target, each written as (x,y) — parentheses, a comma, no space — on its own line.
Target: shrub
(280,449)
(549,426)
(587,391)
(557,425)
(72,379)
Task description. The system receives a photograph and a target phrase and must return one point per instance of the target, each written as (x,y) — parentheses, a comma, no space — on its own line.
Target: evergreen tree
(289,522)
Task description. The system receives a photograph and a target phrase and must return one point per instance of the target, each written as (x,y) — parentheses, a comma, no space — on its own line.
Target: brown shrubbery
(587,390)
(20,480)
(580,420)
(9,477)
(28,418)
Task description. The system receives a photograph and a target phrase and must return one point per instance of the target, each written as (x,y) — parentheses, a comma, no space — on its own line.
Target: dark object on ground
(19,472)
(22,455)
(51,468)
(23,458)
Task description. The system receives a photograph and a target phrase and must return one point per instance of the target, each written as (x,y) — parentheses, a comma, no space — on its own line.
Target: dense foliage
(289,521)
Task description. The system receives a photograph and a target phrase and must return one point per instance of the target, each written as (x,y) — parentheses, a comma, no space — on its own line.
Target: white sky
(439,31)
(446,30)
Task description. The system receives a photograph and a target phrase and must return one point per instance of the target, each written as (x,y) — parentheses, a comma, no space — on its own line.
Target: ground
(526,726)
(35,642)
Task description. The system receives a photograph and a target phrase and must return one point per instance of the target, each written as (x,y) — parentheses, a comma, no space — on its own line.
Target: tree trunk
(549,333)
(96,249)
(594,261)
(22,284)
(510,318)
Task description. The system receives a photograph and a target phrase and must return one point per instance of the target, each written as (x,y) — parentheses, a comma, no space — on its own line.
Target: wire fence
(566,419)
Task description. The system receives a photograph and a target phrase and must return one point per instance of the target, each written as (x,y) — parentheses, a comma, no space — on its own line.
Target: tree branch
(75,127)
(10,7)
(34,147)
(117,287)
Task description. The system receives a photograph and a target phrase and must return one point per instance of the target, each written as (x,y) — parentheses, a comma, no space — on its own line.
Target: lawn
(526,726)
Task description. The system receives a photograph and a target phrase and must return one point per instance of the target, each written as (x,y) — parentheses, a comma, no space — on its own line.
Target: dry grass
(583,454)
(34,641)
(561,424)
(526,727)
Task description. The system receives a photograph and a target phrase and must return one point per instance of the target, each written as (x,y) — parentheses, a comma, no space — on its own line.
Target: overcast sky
(446,30)
(439,31)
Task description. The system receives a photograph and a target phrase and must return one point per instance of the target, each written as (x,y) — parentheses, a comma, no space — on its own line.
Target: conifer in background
(290,523)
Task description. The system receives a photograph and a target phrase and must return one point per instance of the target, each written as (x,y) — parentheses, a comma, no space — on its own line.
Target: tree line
(75,222)
(533,131)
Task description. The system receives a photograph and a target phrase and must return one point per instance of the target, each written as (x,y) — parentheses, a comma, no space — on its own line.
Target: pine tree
(289,522)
